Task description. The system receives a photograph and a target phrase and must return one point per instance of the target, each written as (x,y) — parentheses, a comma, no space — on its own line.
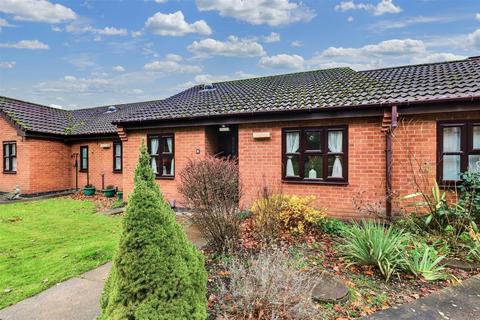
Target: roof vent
(207,87)
(111,109)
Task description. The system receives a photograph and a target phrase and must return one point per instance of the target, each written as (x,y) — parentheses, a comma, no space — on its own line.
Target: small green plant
(423,261)
(470,193)
(474,251)
(118,204)
(371,243)
(332,226)
(437,216)
(471,242)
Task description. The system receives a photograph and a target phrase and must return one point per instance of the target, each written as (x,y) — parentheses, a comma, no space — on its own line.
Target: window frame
(10,157)
(159,157)
(466,143)
(323,153)
(115,156)
(81,168)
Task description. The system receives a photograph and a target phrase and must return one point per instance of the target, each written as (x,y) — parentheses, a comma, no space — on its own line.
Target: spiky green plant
(371,243)
(157,273)
(423,261)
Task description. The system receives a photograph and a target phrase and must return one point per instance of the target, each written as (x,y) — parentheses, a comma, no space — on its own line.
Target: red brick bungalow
(346,137)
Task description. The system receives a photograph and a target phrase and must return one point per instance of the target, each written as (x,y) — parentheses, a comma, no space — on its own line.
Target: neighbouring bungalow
(344,136)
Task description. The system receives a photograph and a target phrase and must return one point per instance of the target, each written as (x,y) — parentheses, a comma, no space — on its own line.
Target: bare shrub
(211,189)
(270,285)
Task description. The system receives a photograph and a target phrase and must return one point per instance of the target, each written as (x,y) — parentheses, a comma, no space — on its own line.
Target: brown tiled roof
(339,87)
(312,90)
(38,118)
(35,117)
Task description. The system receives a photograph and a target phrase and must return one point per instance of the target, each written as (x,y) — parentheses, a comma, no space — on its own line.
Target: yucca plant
(423,261)
(371,243)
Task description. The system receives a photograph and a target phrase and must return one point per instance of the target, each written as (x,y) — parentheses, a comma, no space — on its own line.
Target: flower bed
(319,252)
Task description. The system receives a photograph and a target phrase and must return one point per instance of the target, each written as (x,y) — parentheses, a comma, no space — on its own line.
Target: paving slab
(460,302)
(79,297)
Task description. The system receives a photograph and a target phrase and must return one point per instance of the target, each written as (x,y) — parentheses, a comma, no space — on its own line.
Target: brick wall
(46,165)
(415,153)
(187,141)
(261,162)
(100,162)
(414,146)
(21,178)
(42,165)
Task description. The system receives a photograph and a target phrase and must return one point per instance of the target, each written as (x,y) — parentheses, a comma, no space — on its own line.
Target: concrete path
(77,298)
(74,299)
(461,302)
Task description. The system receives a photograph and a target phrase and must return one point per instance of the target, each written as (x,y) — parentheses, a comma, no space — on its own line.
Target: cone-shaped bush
(157,273)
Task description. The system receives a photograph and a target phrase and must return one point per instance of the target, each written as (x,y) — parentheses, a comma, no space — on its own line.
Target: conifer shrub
(157,273)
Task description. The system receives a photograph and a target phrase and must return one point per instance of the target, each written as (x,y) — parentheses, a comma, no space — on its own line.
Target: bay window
(316,154)
(458,149)
(161,150)
(10,157)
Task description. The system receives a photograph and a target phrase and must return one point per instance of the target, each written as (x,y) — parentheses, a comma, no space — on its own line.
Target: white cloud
(437,57)
(272,37)
(233,47)
(4,23)
(136,34)
(403,23)
(174,24)
(283,61)
(172,64)
(388,47)
(97,83)
(37,10)
(161,1)
(26,44)
(82,27)
(381,8)
(474,39)
(7,64)
(111,31)
(271,12)
(296,43)
(383,54)
(209,78)
(350,19)
(477,16)
(56,106)
(118,69)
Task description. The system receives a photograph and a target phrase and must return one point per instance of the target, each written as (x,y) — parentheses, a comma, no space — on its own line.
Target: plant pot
(109,193)
(89,191)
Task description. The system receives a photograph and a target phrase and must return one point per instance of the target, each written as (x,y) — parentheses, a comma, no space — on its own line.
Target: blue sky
(88,53)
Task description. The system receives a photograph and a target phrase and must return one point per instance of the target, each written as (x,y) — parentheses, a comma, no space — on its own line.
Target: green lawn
(45,242)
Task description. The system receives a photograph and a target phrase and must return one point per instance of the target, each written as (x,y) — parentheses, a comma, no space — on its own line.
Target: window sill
(10,172)
(117,171)
(319,182)
(84,171)
(165,178)
(450,185)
